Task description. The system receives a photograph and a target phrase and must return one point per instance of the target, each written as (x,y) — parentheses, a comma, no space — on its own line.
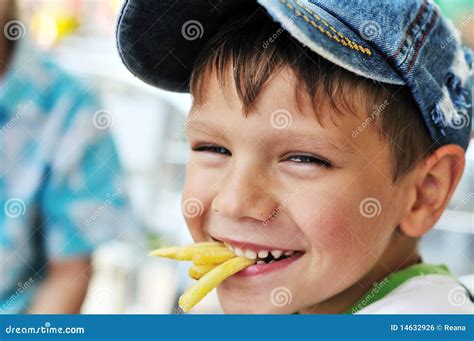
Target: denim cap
(402,42)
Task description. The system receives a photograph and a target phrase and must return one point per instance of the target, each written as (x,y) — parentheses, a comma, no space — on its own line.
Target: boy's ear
(435,180)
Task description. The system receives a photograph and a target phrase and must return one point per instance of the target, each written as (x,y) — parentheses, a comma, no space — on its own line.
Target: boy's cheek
(196,203)
(339,236)
(323,223)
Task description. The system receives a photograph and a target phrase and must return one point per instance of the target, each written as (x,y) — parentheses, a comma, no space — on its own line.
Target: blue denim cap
(402,42)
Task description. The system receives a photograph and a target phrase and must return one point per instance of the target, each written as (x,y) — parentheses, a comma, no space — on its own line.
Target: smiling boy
(333,218)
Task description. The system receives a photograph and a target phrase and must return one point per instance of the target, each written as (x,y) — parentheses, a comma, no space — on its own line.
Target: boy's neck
(401,253)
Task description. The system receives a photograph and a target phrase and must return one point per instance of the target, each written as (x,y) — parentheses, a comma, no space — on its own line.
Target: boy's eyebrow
(201,126)
(311,140)
(294,136)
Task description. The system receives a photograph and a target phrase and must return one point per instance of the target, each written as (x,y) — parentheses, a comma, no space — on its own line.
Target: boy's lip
(282,256)
(233,244)
(259,269)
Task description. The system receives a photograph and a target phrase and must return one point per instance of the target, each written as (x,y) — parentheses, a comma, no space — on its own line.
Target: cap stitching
(345,41)
(409,30)
(419,44)
(336,35)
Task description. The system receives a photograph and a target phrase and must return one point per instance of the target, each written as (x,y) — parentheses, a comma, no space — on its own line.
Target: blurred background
(148,130)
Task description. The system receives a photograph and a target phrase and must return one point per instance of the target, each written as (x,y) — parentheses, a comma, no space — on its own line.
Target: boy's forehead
(281,96)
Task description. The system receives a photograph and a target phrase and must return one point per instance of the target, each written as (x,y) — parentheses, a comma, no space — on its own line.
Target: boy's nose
(241,195)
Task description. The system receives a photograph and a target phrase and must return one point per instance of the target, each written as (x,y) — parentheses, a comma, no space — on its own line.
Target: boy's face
(279,180)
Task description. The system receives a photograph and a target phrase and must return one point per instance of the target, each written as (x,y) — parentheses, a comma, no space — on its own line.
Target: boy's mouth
(267,258)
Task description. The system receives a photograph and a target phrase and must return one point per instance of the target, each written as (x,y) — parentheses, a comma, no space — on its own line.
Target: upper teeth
(259,255)
(250,254)
(277,253)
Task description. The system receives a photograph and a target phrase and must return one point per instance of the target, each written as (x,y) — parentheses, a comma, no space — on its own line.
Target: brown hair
(256,48)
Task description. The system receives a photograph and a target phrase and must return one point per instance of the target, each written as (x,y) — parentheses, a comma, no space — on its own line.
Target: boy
(325,147)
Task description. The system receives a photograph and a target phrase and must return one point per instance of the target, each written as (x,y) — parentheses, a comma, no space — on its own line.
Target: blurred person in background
(60,191)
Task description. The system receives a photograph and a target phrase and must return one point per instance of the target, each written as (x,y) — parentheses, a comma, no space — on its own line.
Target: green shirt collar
(394,280)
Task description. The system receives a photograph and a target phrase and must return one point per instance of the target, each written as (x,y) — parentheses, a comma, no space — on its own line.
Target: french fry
(186,252)
(207,244)
(197,271)
(212,256)
(211,280)
(213,263)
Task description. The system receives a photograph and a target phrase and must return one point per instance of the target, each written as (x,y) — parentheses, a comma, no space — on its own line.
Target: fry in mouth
(197,271)
(186,252)
(211,280)
(212,264)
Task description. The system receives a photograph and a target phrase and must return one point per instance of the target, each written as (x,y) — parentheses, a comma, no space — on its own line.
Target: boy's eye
(308,159)
(212,149)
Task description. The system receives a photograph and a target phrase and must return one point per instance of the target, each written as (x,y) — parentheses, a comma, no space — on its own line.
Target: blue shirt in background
(60,177)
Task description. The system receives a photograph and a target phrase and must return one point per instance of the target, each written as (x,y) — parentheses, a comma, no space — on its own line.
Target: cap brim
(159,41)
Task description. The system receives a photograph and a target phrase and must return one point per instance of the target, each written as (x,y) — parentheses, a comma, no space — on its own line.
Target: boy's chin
(233,302)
